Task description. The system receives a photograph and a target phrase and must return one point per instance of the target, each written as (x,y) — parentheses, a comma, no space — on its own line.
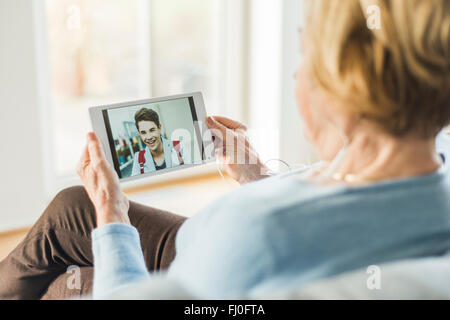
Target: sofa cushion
(426,278)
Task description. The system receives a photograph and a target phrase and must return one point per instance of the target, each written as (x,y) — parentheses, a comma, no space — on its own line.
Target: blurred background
(102,51)
(60,57)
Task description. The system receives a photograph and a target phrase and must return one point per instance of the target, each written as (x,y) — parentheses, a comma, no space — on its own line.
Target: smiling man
(159,153)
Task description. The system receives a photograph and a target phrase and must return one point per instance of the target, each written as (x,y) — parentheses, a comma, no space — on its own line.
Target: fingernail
(91,136)
(209,120)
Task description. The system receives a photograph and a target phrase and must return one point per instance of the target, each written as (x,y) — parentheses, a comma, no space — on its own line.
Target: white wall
(294,148)
(21,190)
(265,76)
(274,57)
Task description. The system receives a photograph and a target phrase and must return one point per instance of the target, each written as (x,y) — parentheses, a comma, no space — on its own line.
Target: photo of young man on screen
(159,153)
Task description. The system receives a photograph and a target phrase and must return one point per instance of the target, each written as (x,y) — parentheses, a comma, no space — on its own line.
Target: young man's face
(150,134)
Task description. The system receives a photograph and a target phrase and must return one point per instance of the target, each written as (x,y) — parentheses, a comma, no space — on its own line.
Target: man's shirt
(171,158)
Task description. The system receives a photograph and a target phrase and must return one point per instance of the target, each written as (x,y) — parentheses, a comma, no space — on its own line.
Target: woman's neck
(372,156)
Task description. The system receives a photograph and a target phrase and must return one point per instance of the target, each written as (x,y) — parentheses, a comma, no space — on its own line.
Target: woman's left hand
(102,184)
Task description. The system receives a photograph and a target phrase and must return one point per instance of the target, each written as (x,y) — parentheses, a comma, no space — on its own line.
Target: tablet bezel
(203,135)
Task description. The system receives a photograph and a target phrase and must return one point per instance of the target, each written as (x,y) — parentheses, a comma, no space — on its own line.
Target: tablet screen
(151,137)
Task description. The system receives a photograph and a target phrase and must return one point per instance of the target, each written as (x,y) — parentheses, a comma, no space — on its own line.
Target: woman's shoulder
(259,200)
(266,199)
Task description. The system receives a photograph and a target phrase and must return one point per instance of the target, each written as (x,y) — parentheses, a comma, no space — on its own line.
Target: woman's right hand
(233,149)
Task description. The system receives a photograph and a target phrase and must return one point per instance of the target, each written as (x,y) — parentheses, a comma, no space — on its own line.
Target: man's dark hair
(146,115)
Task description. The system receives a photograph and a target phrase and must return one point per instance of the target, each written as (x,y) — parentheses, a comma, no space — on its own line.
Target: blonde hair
(398,75)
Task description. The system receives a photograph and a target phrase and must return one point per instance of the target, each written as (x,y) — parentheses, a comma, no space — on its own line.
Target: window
(103,52)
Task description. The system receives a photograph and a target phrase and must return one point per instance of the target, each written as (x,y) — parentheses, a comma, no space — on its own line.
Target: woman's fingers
(213,124)
(234,150)
(229,123)
(229,141)
(95,149)
(218,132)
(92,160)
(84,161)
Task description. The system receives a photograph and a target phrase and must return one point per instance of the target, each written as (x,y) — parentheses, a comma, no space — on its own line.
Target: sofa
(414,279)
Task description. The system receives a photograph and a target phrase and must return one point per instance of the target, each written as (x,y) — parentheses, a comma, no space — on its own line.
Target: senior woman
(372,100)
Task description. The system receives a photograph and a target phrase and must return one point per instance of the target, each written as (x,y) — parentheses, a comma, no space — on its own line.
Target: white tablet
(154,136)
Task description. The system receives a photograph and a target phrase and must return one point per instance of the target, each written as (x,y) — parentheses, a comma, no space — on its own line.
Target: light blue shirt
(282,232)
